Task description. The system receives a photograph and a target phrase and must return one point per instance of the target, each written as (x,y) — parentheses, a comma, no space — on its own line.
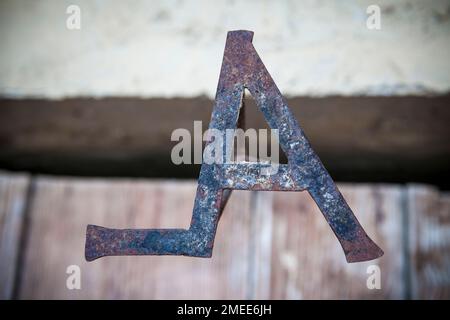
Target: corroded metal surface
(242,68)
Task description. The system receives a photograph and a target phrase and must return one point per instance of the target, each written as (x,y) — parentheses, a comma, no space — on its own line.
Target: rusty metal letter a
(242,68)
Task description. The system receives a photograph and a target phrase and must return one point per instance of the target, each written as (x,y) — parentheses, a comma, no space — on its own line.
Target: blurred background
(90,92)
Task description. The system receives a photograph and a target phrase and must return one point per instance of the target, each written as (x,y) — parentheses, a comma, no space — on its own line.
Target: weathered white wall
(174,48)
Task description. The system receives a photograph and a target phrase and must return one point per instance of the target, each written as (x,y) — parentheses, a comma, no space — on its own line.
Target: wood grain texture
(260,244)
(269,245)
(429,242)
(63,208)
(308,262)
(13,197)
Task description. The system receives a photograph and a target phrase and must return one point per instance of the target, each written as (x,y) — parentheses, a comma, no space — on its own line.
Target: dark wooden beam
(386,139)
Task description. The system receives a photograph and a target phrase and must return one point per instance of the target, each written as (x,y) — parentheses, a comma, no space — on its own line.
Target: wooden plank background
(13,198)
(429,243)
(269,245)
(308,263)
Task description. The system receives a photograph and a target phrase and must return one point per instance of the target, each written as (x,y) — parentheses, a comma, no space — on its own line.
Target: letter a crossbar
(243,69)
